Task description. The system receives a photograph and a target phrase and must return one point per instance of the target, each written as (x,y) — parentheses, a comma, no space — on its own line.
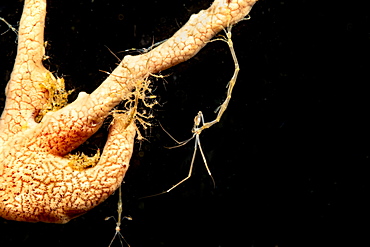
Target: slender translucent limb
(118,223)
(197,140)
(230,86)
(182,143)
(10,26)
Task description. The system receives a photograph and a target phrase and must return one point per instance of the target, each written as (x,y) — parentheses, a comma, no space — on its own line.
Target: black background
(289,156)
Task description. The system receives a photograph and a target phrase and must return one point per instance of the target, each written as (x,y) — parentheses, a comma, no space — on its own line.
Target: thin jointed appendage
(197,140)
(230,86)
(10,26)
